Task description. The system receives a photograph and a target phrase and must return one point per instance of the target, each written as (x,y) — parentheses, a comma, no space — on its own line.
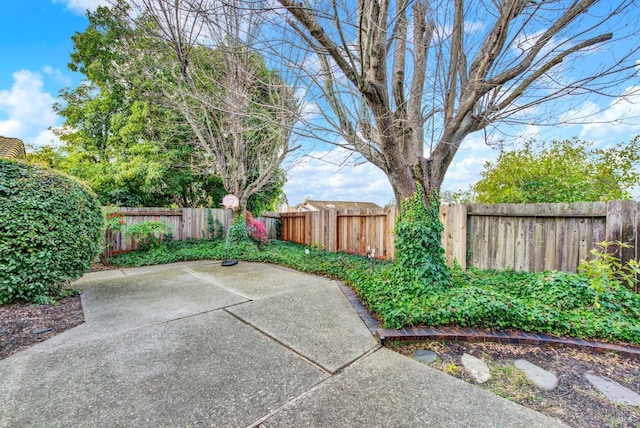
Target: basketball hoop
(231,201)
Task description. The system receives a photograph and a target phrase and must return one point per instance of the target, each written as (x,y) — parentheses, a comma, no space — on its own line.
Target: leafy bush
(605,268)
(148,233)
(114,222)
(238,241)
(50,230)
(215,226)
(420,260)
(256,230)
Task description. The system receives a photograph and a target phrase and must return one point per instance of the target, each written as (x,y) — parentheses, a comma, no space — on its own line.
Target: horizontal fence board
(579,209)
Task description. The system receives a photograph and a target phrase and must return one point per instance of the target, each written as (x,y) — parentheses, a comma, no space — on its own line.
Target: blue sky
(35,41)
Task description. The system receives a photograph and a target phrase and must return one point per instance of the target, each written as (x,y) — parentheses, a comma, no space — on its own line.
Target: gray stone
(425,356)
(540,377)
(478,368)
(614,392)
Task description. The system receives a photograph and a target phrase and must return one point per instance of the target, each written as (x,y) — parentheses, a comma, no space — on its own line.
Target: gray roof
(311,205)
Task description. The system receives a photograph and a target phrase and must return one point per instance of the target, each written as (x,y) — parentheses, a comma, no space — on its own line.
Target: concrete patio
(199,344)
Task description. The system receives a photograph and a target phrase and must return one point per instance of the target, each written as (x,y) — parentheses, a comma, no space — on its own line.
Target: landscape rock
(614,392)
(476,367)
(425,356)
(540,377)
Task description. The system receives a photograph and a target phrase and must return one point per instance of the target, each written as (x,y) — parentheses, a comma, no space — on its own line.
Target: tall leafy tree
(241,113)
(560,171)
(132,148)
(112,134)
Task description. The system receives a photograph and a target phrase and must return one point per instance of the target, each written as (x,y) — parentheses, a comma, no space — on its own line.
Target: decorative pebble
(614,392)
(478,368)
(541,378)
(425,356)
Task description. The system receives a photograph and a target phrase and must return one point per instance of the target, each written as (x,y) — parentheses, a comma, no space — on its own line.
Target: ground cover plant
(549,302)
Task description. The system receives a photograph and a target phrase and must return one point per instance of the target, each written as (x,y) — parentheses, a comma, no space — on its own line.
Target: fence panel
(538,237)
(362,231)
(185,223)
(271,222)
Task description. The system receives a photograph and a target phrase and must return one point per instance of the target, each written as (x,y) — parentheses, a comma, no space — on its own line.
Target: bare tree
(200,56)
(407,80)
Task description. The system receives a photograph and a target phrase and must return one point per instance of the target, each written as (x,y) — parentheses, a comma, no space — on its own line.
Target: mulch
(575,401)
(24,324)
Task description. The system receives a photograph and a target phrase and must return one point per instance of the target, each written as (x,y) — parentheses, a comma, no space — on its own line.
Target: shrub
(606,268)
(114,222)
(50,231)
(256,230)
(148,233)
(215,226)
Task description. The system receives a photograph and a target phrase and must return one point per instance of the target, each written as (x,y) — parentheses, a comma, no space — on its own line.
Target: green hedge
(50,230)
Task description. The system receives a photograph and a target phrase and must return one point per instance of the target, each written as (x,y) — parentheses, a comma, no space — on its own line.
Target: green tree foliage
(50,231)
(560,171)
(206,65)
(130,148)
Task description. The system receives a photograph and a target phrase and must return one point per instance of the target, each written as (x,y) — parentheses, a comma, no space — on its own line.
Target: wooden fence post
(389,237)
(622,225)
(331,218)
(454,235)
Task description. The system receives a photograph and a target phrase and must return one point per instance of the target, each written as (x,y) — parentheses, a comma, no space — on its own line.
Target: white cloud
(465,171)
(9,127)
(619,121)
(523,41)
(581,113)
(80,6)
(530,132)
(26,109)
(46,138)
(57,75)
(321,177)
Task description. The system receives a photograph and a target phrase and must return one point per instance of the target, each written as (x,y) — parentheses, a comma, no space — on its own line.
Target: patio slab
(209,369)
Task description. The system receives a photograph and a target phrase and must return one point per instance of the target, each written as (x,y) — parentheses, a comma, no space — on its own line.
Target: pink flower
(256,230)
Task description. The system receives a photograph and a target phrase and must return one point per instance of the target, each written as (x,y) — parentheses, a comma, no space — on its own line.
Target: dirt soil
(24,324)
(574,401)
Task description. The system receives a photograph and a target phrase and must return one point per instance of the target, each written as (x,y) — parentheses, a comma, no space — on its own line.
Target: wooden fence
(529,237)
(185,223)
(349,231)
(537,237)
